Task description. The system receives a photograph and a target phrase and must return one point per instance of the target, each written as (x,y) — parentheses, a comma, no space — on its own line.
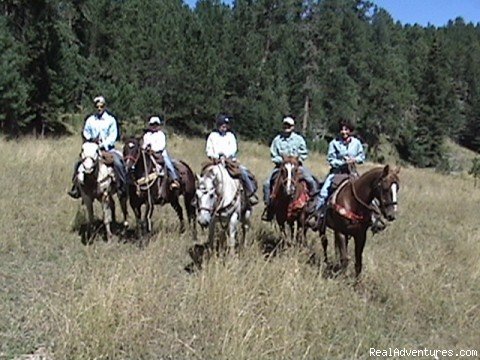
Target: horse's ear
(386,170)
(197,177)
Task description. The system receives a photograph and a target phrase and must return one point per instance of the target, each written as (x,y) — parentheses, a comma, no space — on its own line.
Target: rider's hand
(351,160)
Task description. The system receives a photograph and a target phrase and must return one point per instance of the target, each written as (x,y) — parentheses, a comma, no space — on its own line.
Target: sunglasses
(100,107)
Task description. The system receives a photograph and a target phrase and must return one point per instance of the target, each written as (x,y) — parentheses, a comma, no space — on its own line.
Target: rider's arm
(275,152)
(89,132)
(332,156)
(111,136)
(360,154)
(210,147)
(302,149)
(231,151)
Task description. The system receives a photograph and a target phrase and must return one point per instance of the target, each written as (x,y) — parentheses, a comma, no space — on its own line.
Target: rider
(343,153)
(102,127)
(155,140)
(287,143)
(223,143)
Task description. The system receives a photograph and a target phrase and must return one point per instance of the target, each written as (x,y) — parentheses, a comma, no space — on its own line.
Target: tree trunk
(306,107)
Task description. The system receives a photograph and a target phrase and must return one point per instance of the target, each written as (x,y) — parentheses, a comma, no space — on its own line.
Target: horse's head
(386,190)
(206,198)
(288,174)
(89,156)
(131,152)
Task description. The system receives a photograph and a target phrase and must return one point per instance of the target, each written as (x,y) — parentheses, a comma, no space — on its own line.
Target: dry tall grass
(420,284)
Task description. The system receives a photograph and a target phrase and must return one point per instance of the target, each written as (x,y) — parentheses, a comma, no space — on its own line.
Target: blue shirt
(293,145)
(339,150)
(103,127)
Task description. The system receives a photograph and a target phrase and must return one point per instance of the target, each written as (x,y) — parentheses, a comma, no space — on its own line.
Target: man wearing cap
(155,140)
(223,143)
(102,127)
(287,143)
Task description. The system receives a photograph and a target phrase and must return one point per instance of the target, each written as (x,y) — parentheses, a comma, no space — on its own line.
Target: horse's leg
(191,212)
(341,246)
(148,216)
(211,235)
(325,246)
(123,206)
(107,215)
(232,233)
(245,226)
(178,209)
(88,201)
(360,240)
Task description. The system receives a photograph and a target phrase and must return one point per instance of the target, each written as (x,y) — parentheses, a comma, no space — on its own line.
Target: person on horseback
(344,152)
(102,127)
(287,143)
(155,140)
(223,143)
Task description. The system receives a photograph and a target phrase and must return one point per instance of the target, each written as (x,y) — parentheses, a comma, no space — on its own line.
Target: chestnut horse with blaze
(349,211)
(289,198)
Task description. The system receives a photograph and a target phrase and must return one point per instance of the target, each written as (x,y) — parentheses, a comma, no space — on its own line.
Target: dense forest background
(257,60)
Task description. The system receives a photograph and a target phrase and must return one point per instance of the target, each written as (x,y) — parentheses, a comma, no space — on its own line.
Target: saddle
(232,166)
(107,158)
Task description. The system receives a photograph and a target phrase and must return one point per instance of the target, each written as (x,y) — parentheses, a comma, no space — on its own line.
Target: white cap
(99,99)
(154,120)
(288,120)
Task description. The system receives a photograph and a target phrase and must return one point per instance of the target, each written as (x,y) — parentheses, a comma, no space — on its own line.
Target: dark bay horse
(290,197)
(147,187)
(349,211)
(96,182)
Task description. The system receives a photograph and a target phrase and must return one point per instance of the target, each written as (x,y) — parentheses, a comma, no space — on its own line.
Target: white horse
(96,181)
(220,198)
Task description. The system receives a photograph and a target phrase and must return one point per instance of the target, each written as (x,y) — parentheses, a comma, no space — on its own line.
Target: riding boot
(268,213)
(74,191)
(253,199)
(174,185)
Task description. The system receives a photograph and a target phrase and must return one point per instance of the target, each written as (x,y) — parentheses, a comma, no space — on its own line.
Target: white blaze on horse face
(89,156)
(289,168)
(394,196)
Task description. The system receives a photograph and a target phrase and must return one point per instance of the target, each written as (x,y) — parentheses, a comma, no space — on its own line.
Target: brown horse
(147,187)
(290,197)
(349,211)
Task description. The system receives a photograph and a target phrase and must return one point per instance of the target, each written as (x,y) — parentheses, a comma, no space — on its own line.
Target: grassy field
(420,286)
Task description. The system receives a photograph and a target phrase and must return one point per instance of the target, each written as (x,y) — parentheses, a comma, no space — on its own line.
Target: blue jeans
(172,172)
(324,191)
(120,170)
(249,184)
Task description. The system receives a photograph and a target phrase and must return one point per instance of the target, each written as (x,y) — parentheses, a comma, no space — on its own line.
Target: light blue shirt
(103,127)
(293,145)
(339,150)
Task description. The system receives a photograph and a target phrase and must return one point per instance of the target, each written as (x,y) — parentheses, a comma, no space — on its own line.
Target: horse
(96,181)
(350,209)
(290,197)
(220,198)
(148,186)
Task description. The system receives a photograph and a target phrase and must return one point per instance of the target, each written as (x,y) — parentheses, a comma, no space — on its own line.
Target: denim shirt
(104,128)
(293,145)
(338,150)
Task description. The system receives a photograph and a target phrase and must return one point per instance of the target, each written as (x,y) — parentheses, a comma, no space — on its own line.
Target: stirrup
(174,185)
